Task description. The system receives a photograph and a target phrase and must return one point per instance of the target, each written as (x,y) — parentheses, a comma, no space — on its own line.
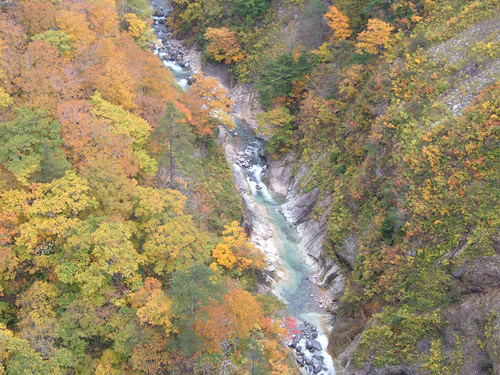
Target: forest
(122,248)
(120,245)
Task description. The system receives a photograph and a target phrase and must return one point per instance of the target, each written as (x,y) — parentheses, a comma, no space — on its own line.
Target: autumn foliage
(103,269)
(223,45)
(375,37)
(236,251)
(338,22)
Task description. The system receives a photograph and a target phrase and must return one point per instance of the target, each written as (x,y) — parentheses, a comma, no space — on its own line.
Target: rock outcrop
(299,210)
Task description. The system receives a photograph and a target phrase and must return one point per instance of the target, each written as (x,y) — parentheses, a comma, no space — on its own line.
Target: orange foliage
(87,138)
(236,251)
(38,16)
(217,328)
(211,106)
(339,23)
(153,304)
(236,315)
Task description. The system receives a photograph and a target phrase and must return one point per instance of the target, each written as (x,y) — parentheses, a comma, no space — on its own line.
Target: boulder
(309,345)
(300,361)
(317,345)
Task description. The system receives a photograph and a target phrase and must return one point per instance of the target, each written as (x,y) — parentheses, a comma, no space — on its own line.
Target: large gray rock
(348,252)
(280,174)
(479,274)
(300,207)
(246,104)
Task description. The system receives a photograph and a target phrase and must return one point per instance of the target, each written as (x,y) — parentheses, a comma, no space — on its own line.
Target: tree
(175,245)
(43,215)
(114,253)
(375,37)
(236,250)
(280,76)
(58,39)
(150,355)
(212,107)
(5,99)
(190,291)
(41,77)
(129,125)
(175,142)
(154,306)
(223,45)
(26,140)
(339,23)
(104,68)
(277,124)
(140,7)
(20,358)
(246,310)
(249,10)
(38,16)
(216,325)
(89,140)
(37,318)
(139,29)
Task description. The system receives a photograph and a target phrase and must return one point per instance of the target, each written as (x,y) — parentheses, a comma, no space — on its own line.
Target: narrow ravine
(271,233)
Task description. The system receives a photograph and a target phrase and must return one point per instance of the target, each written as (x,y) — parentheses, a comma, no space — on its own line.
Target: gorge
(271,216)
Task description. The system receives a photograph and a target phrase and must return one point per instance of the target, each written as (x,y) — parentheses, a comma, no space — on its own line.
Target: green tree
(20,358)
(190,291)
(279,76)
(57,38)
(24,143)
(175,140)
(249,10)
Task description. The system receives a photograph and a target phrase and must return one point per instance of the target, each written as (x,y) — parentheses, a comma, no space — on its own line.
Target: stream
(271,233)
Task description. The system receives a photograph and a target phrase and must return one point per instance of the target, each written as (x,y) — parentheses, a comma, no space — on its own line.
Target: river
(271,232)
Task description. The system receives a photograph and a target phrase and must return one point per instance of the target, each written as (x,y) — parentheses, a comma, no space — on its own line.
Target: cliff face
(309,213)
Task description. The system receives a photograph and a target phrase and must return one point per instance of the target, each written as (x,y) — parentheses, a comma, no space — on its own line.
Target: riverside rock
(309,345)
(300,361)
(316,345)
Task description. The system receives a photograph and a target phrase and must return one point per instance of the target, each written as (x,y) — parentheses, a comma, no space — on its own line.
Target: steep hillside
(384,129)
(120,245)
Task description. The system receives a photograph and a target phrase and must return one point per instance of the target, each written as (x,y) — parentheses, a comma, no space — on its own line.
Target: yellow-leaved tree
(235,251)
(128,124)
(5,99)
(153,305)
(139,29)
(223,45)
(375,38)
